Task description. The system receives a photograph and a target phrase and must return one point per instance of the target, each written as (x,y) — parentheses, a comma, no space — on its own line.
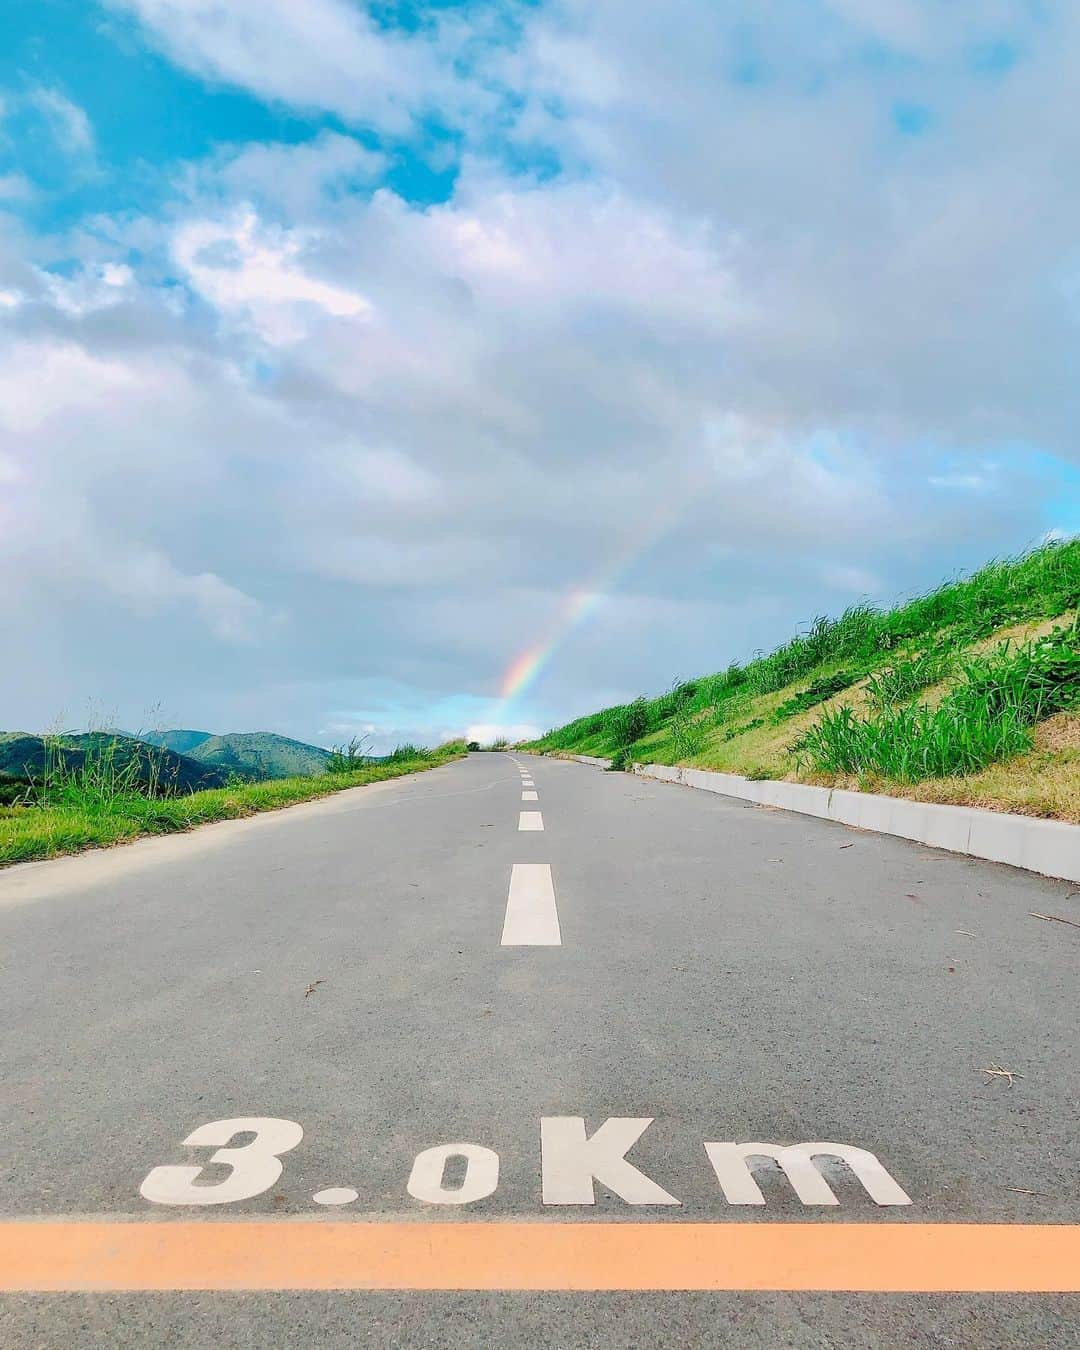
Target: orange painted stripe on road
(57,1254)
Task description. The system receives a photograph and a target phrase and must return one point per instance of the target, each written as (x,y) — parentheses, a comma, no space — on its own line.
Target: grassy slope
(746,720)
(85,821)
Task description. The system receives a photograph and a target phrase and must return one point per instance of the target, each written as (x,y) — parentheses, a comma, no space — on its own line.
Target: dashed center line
(531,917)
(530,796)
(530,820)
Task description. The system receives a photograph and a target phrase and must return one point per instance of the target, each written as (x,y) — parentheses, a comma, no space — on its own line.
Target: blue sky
(352,356)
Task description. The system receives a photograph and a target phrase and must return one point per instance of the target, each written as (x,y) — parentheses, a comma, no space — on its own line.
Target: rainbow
(578,605)
(526,667)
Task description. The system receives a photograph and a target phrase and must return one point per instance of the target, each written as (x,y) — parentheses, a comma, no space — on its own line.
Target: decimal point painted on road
(336,1195)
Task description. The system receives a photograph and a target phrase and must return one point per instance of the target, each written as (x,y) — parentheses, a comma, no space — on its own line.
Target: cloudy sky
(404,367)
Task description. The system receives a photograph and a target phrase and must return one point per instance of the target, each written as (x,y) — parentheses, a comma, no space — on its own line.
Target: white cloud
(70,124)
(96,286)
(322,54)
(149,581)
(42,382)
(292,179)
(255,274)
(484,733)
(15,187)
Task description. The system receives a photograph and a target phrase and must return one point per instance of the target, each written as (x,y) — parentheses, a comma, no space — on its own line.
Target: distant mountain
(181,760)
(183,742)
(259,754)
(24,757)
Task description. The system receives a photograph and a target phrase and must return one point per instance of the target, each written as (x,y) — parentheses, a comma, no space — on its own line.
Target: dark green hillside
(28,757)
(261,754)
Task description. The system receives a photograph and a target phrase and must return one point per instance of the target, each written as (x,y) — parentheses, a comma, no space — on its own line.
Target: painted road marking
(527,782)
(254,1167)
(336,1195)
(530,820)
(571,1161)
(481,1174)
(530,796)
(731,1163)
(55,1255)
(531,917)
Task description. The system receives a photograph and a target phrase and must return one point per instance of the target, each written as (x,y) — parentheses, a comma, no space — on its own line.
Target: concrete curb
(1050,847)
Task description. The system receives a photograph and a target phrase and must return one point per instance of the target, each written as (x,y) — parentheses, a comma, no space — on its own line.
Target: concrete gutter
(1050,847)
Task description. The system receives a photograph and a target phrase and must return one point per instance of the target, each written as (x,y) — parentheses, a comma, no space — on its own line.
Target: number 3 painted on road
(255,1166)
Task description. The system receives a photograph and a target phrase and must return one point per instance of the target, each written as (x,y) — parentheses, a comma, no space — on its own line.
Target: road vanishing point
(519,1053)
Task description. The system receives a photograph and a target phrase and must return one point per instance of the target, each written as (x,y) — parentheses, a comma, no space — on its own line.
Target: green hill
(182,760)
(25,758)
(182,742)
(969,694)
(260,754)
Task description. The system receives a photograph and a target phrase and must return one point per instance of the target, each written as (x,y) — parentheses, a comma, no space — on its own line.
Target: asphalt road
(730,973)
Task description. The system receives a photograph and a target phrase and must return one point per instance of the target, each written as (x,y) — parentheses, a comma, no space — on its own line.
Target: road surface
(464,1038)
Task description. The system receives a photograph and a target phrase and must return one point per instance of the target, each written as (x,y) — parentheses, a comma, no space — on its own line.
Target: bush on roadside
(349,757)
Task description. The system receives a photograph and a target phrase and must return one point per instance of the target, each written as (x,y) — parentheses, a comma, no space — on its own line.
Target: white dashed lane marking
(531,917)
(530,796)
(530,820)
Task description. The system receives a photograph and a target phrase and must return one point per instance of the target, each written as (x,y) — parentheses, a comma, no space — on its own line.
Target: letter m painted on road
(731,1163)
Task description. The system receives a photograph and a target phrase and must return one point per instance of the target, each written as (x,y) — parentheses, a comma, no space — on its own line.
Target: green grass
(820,691)
(987,716)
(902,680)
(71,812)
(859,675)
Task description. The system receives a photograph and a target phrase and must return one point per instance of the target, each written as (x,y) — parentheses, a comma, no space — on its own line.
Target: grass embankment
(970,694)
(94,808)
